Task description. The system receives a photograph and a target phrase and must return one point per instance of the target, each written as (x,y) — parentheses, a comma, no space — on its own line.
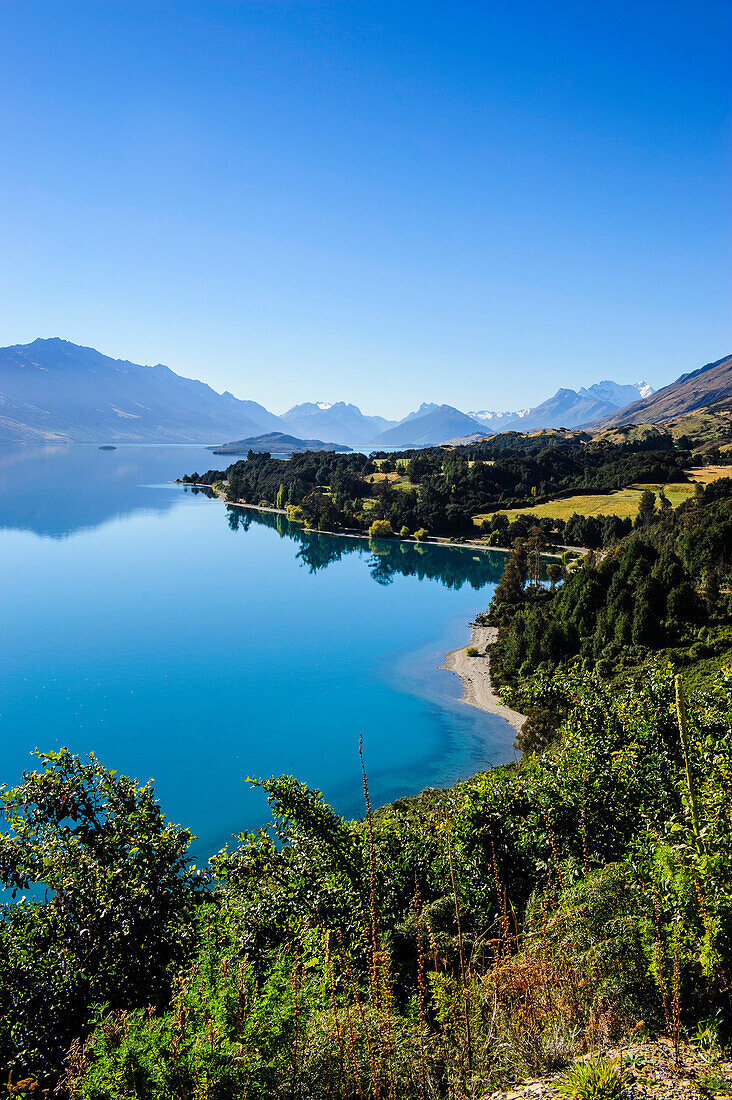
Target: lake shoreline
(469,544)
(475,675)
(474,672)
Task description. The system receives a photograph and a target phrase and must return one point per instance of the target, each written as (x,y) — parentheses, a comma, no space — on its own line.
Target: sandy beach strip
(475,675)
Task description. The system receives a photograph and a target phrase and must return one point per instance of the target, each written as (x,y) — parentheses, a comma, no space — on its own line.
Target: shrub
(471,651)
(526,1049)
(404,533)
(118,918)
(420,534)
(595,1079)
(381,529)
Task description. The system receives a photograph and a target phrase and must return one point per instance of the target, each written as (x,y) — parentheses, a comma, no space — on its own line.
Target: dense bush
(380,529)
(108,907)
(444,943)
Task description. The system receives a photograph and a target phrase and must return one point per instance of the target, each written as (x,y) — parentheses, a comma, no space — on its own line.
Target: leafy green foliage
(380,529)
(333,963)
(108,913)
(443,944)
(226,1034)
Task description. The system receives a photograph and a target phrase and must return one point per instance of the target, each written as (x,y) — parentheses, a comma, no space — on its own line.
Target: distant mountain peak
(435,425)
(337,420)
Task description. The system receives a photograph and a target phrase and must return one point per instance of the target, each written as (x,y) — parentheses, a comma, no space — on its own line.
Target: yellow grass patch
(622,503)
(705,474)
(378,476)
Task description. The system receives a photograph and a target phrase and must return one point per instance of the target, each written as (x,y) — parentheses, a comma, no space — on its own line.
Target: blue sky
(387,203)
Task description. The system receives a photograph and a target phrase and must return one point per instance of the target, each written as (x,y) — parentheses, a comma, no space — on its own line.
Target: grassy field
(622,502)
(397,481)
(705,474)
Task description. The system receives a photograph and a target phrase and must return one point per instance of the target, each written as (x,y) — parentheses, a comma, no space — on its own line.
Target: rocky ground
(650,1070)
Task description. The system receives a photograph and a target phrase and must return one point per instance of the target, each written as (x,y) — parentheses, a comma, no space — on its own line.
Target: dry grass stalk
(463,974)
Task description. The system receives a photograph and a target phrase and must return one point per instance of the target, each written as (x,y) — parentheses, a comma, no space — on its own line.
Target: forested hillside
(441,490)
(663,589)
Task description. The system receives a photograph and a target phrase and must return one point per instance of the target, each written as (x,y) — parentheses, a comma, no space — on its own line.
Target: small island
(277,443)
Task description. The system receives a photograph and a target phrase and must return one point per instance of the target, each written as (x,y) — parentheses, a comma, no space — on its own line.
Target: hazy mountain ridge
(427,429)
(568,408)
(342,419)
(58,391)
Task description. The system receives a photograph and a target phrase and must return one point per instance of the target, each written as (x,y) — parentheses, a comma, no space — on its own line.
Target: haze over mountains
(431,423)
(53,390)
(336,421)
(57,391)
(567,408)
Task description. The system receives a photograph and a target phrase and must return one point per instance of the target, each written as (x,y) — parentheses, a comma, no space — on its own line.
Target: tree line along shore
(540,920)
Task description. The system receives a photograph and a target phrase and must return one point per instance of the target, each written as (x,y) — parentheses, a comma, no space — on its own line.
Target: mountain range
(567,408)
(59,392)
(56,391)
(338,420)
(687,394)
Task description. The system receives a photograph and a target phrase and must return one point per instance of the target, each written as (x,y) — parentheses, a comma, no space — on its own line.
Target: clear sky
(383,202)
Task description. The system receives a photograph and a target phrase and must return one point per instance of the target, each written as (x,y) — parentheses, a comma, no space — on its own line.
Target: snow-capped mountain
(567,408)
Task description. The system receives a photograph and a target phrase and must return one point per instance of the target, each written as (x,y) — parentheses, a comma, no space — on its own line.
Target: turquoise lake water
(197,645)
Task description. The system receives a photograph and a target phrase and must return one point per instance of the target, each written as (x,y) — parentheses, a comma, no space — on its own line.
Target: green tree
(107,915)
(535,545)
(646,509)
(380,529)
(554,572)
(510,588)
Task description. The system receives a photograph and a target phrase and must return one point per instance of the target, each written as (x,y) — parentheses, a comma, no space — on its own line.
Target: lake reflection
(385,558)
(199,644)
(57,490)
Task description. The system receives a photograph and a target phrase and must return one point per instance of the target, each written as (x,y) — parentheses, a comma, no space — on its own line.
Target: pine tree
(510,588)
